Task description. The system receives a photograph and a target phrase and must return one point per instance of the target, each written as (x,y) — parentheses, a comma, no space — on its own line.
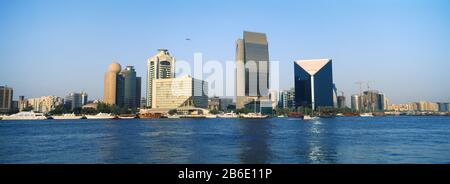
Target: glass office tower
(314,83)
(252,69)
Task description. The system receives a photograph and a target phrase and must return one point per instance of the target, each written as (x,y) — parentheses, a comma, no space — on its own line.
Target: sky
(53,47)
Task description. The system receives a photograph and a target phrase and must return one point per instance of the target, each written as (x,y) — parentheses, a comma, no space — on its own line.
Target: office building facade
(6,98)
(252,69)
(181,92)
(160,66)
(314,83)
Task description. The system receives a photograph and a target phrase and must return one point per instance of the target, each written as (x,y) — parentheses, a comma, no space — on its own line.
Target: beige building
(110,95)
(179,92)
(45,104)
(160,66)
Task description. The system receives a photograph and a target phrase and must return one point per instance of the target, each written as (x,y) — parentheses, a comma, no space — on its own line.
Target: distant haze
(50,47)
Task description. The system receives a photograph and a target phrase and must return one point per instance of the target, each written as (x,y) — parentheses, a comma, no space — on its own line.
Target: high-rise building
(45,104)
(113,85)
(314,83)
(444,106)
(252,69)
(175,93)
(73,101)
(6,96)
(287,99)
(370,101)
(356,102)
(23,103)
(131,88)
(341,102)
(84,98)
(160,66)
(122,88)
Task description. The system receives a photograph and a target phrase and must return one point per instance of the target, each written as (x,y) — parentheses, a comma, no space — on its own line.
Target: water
(276,140)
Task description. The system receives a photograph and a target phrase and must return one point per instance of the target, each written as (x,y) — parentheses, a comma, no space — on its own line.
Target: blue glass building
(314,83)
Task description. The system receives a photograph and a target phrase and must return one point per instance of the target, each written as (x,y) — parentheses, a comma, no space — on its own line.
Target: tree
(89,111)
(214,111)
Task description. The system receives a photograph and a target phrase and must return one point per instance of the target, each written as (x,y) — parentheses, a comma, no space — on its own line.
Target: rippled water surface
(276,140)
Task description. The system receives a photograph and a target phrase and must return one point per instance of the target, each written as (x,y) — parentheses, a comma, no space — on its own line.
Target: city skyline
(408,45)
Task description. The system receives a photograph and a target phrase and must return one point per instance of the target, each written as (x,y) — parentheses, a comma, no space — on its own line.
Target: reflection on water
(276,140)
(254,145)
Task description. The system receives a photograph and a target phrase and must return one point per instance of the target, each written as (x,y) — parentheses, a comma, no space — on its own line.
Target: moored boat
(67,117)
(254,116)
(228,115)
(101,116)
(366,115)
(26,116)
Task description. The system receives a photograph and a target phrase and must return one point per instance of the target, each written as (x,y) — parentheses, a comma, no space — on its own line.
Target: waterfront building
(122,87)
(214,103)
(444,106)
(273,96)
(173,93)
(6,98)
(160,66)
(23,103)
(73,101)
(225,104)
(370,101)
(252,69)
(341,102)
(113,85)
(84,98)
(287,99)
(131,88)
(314,83)
(45,104)
(143,103)
(400,107)
(424,106)
(356,102)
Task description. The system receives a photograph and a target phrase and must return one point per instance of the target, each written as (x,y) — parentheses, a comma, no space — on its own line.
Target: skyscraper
(314,83)
(356,102)
(160,66)
(131,87)
(113,85)
(122,88)
(252,69)
(73,100)
(6,96)
(84,98)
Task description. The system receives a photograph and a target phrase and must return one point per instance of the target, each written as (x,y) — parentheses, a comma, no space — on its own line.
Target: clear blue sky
(53,47)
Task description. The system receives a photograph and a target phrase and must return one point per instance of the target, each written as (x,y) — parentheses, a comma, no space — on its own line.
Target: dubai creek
(278,140)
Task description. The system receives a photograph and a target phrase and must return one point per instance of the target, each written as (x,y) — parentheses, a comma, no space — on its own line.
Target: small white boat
(174,117)
(101,116)
(67,116)
(308,117)
(228,115)
(366,115)
(211,116)
(26,116)
(254,116)
(281,116)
